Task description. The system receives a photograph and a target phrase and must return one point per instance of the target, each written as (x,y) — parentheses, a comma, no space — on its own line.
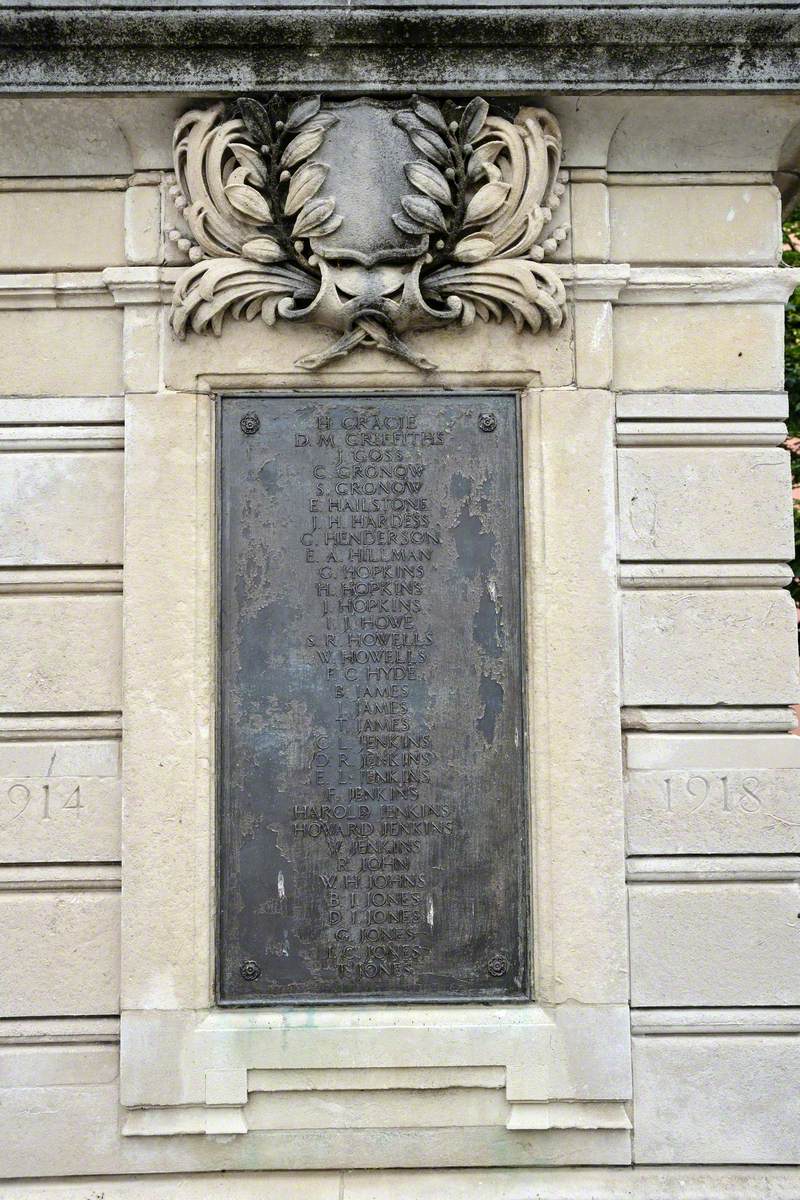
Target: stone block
(60,653)
(713,346)
(55,817)
(61,953)
(42,1065)
(703,811)
(590,222)
(712,793)
(143,223)
(734,223)
(685,503)
(61,230)
(721,646)
(684,751)
(54,351)
(61,508)
(717,1100)
(714,944)
(254,355)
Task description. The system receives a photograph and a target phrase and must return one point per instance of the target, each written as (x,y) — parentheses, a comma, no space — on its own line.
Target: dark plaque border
(242,981)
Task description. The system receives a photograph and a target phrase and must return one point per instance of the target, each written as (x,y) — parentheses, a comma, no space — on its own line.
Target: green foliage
(791,256)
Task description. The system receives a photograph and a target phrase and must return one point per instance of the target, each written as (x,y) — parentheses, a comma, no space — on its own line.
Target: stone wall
(660,522)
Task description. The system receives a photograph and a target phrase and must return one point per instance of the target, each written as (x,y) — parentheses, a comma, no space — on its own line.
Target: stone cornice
(376,46)
(615,282)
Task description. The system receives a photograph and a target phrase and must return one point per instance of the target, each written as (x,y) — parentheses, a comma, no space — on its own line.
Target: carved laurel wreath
(484,191)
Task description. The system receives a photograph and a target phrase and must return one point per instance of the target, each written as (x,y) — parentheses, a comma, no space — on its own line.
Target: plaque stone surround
(372,792)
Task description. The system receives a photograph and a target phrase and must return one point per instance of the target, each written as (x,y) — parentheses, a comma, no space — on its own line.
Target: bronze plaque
(372,812)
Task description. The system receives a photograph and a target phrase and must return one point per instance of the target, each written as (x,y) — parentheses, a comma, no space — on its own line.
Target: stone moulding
(520,48)
(368,218)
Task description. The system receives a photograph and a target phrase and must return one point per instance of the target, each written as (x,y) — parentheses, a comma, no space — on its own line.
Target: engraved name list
(372,802)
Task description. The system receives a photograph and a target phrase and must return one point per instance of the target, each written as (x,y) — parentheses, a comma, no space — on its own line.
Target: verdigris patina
(368,218)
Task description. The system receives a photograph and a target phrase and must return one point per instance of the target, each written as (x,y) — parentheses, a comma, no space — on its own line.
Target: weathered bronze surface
(373,838)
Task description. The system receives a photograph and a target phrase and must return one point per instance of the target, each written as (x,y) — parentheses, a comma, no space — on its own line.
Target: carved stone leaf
(404,222)
(425,211)
(429,180)
(256,119)
(323,120)
(430,113)
(302,111)
(249,202)
(474,248)
(304,185)
(333,222)
(312,216)
(485,201)
(473,118)
(431,145)
(302,146)
(263,249)
(482,155)
(407,120)
(251,160)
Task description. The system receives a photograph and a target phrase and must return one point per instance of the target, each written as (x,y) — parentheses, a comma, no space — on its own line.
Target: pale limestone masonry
(658,1057)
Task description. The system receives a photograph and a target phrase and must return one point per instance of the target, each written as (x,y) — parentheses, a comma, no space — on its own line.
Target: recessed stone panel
(61,230)
(56,351)
(61,953)
(698,346)
(63,509)
(713,811)
(734,223)
(60,653)
(717,1100)
(716,646)
(714,944)
(705,504)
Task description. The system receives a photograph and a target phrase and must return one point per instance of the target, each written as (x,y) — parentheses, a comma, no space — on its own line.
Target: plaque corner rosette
(370,218)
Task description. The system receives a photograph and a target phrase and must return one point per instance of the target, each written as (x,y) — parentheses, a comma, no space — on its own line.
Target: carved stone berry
(249,970)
